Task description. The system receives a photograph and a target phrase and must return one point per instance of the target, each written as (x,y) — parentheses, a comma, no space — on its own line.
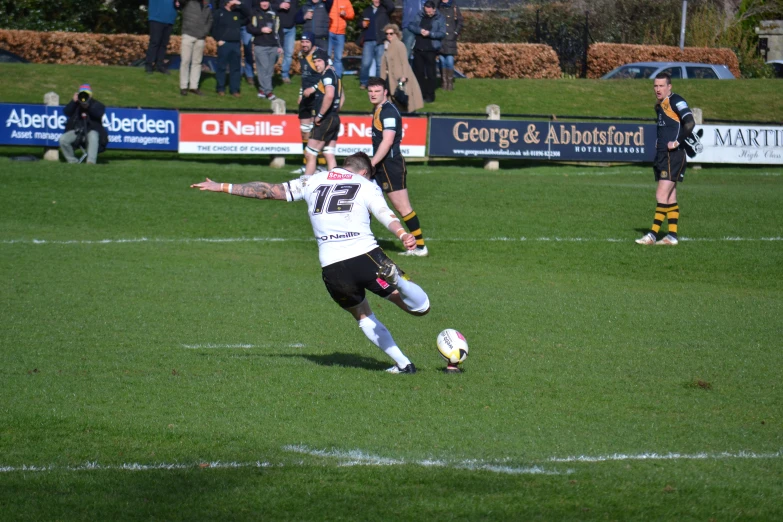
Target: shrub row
(507,61)
(603,57)
(474,60)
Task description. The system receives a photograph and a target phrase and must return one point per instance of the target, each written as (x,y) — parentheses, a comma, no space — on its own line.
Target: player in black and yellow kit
(390,170)
(675,125)
(329,98)
(306,102)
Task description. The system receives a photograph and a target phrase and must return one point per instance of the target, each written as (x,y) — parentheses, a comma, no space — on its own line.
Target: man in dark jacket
(196,24)
(314,18)
(84,126)
(286,12)
(162,14)
(374,18)
(228,20)
(264,26)
(430,30)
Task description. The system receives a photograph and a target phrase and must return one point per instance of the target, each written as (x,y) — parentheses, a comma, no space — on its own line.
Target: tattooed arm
(254,189)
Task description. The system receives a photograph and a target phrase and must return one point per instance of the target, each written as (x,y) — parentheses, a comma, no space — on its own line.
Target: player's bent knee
(311,151)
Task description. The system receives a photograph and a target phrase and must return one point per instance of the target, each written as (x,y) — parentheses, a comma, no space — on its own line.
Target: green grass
(131,87)
(580,346)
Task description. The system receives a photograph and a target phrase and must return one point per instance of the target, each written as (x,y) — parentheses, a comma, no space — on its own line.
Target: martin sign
(748,144)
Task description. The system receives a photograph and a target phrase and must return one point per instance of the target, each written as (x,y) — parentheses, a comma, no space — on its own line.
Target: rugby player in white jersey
(339,203)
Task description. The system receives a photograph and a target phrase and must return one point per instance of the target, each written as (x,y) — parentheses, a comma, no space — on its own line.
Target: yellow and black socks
(660,215)
(668,211)
(412,222)
(673,217)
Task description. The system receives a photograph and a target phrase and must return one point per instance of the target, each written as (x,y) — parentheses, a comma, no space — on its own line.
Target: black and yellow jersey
(329,77)
(387,117)
(671,112)
(310,75)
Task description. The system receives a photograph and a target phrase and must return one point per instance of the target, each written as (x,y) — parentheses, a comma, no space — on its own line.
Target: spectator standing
(430,30)
(397,72)
(410,8)
(374,18)
(84,126)
(196,23)
(341,11)
(226,25)
(452,16)
(162,15)
(314,18)
(247,44)
(264,26)
(286,12)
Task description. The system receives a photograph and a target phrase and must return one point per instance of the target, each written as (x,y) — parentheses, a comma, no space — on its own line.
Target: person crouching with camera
(84,127)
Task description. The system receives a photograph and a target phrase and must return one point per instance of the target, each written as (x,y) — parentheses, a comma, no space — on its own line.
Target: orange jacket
(336,22)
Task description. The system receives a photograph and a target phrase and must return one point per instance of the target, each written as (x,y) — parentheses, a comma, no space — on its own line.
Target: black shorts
(347,280)
(391,174)
(328,129)
(307,108)
(669,165)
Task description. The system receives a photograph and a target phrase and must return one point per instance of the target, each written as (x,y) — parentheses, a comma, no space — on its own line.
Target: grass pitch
(172,354)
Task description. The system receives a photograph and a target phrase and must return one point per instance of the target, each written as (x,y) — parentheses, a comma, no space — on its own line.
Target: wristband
(399,236)
(319,115)
(226,187)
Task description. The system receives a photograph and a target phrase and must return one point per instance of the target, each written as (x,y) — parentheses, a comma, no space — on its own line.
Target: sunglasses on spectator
(387,34)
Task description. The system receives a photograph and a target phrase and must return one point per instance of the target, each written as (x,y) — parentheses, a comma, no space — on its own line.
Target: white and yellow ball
(452,346)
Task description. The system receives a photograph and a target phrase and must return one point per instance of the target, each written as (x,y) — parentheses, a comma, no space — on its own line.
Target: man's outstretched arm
(254,189)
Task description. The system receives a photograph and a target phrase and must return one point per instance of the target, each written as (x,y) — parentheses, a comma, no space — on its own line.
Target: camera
(83,97)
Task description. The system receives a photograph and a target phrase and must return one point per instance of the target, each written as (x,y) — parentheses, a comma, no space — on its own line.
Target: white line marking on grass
(301,240)
(359,458)
(669,456)
(242,346)
(93,466)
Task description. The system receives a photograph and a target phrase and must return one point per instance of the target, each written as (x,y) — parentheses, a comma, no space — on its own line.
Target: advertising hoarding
(216,133)
(136,129)
(514,139)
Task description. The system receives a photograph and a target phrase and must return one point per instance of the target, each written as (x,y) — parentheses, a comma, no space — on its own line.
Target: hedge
(474,60)
(603,57)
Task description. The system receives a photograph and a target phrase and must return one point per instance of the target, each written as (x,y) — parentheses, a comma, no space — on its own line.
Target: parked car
(778,66)
(9,57)
(677,70)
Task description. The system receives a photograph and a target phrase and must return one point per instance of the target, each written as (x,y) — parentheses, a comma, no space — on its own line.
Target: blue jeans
(336,46)
(370,52)
(247,45)
(229,54)
(289,41)
(447,61)
(408,38)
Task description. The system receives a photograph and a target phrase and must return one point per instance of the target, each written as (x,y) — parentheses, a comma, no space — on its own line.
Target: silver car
(677,70)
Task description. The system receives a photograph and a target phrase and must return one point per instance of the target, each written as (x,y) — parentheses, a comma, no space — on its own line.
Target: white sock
(379,335)
(414,297)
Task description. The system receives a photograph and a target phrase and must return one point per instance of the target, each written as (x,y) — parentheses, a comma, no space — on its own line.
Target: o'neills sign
(239,134)
(740,144)
(541,140)
(224,133)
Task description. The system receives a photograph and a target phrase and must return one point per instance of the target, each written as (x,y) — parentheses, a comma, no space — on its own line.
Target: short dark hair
(375,82)
(429,3)
(359,161)
(664,76)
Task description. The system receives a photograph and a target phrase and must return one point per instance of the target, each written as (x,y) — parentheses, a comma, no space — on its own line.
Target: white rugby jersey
(339,204)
